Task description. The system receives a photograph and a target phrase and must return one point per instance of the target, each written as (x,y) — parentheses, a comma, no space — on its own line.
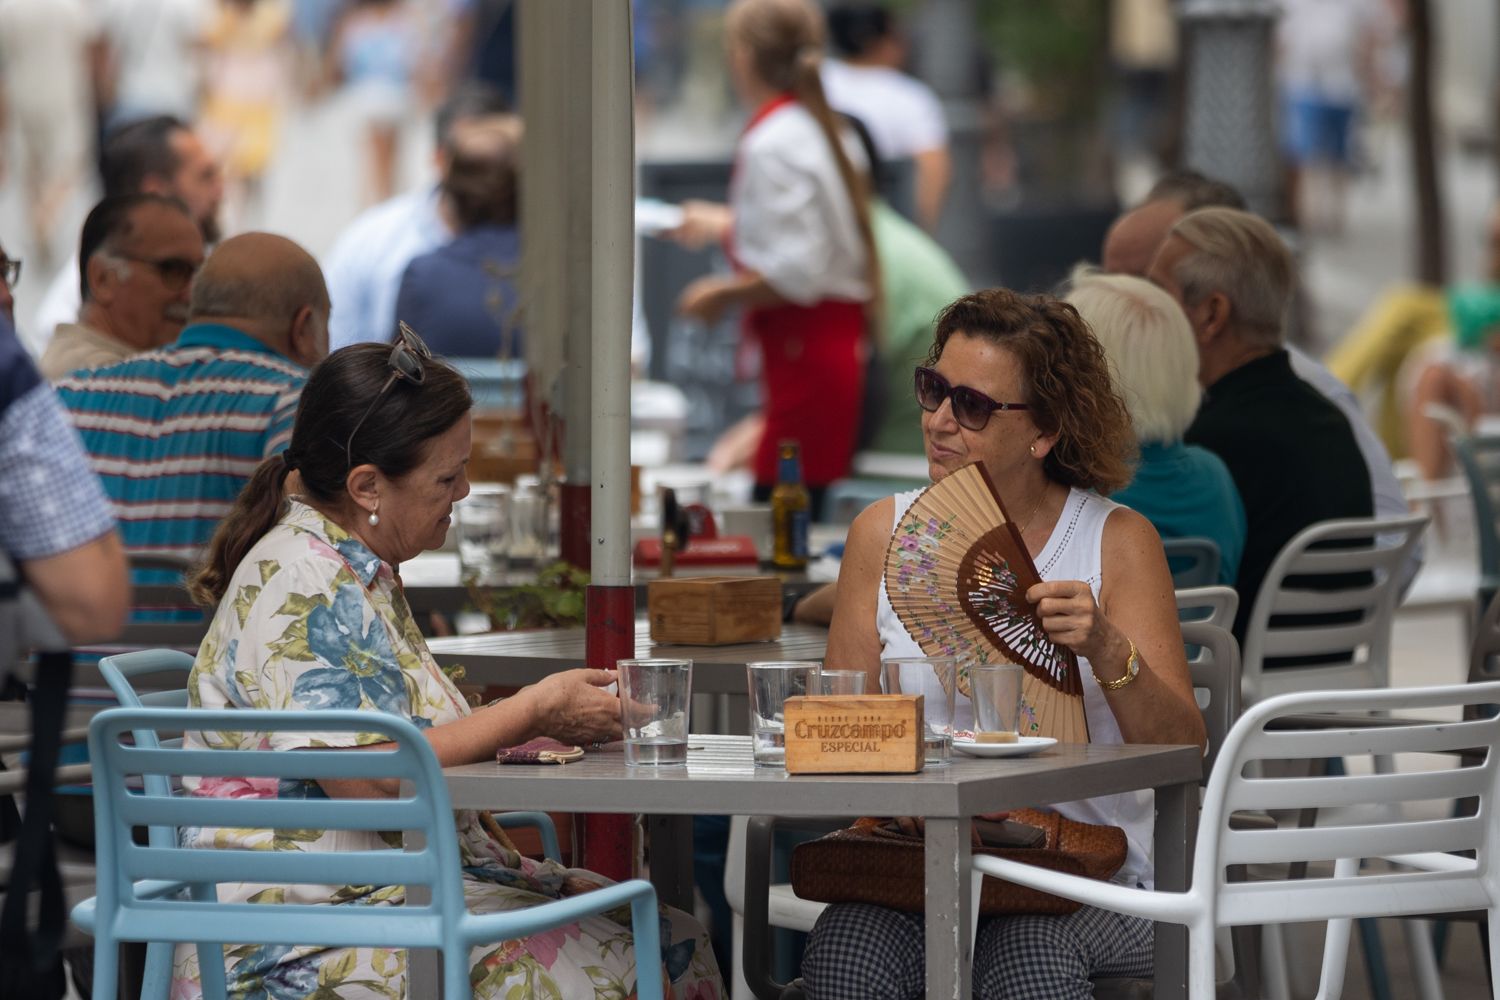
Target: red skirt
(813,377)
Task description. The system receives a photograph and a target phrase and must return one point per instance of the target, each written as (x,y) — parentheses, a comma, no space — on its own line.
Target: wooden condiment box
(714,610)
(854,734)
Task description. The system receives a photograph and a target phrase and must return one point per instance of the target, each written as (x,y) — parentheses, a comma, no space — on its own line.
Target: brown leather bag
(874,862)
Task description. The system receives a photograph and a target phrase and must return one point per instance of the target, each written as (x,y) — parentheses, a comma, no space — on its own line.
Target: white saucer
(1023,746)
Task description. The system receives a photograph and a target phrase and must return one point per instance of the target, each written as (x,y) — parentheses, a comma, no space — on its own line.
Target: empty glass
(995,690)
(843,681)
(484,535)
(655,696)
(529,527)
(934,678)
(771,684)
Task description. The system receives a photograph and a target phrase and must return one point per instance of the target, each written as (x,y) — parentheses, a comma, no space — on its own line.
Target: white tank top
(1073,552)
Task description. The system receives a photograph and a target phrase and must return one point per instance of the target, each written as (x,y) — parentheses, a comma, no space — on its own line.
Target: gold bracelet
(1132,667)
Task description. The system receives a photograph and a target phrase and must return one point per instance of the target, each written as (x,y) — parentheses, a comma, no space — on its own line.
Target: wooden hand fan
(957,574)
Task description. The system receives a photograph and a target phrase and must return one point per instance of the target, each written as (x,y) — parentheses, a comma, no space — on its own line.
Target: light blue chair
(121,672)
(167,894)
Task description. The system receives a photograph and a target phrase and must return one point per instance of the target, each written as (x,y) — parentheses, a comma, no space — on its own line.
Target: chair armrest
(1169,907)
(543,824)
(82,915)
(488,928)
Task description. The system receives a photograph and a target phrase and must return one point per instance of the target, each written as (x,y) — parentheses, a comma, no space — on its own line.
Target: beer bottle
(791,510)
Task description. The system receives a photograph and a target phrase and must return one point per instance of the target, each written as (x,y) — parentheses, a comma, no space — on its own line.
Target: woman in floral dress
(311,616)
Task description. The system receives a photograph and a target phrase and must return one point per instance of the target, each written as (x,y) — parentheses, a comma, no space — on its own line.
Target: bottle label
(797,532)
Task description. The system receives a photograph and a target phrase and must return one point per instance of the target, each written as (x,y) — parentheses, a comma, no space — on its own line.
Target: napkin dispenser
(854,734)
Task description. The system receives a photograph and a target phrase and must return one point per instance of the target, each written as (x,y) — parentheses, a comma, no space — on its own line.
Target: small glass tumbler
(995,690)
(483,523)
(655,696)
(529,526)
(843,681)
(771,684)
(934,678)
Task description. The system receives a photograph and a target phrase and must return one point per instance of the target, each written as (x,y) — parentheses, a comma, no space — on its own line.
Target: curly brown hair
(1067,381)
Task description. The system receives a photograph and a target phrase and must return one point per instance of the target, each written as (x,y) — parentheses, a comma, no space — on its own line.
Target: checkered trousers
(863,952)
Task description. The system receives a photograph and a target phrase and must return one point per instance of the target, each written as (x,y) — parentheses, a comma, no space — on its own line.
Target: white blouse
(794,222)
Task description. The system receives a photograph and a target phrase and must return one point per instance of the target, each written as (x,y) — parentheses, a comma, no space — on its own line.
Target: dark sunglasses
(10,272)
(176,273)
(407,355)
(971,408)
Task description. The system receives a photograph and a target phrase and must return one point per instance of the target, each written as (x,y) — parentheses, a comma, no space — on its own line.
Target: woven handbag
(874,862)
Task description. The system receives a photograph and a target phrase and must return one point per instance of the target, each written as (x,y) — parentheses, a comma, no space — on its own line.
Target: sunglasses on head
(405,361)
(971,408)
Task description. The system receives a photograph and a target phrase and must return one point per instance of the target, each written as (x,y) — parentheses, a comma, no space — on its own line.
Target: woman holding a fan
(1020,386)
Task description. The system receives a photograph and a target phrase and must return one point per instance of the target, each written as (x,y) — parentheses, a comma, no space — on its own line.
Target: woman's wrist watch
(1132,667)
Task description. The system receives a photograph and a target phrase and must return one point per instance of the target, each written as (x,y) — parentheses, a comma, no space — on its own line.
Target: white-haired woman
(1184,490)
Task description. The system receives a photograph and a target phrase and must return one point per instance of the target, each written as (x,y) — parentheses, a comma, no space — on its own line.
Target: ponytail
(807,87)
(256,510)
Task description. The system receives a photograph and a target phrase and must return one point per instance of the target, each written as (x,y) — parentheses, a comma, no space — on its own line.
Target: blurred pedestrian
(462,296)
(365,266)
(154,48)
(50,60)
(246,83)
(375,49)
(904,116)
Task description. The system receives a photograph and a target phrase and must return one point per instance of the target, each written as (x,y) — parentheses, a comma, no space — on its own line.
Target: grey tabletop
(515,658)
(720,777)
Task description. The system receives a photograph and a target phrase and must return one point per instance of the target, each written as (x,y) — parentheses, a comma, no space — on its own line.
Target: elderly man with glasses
(175,433)
(137,257)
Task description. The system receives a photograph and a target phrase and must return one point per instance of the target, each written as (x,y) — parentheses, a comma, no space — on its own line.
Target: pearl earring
(374,519)
(1033,450)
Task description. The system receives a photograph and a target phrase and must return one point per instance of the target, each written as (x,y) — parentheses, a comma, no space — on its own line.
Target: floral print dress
(312,619)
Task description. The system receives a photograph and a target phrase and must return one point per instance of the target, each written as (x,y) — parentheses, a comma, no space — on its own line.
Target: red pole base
(608,843)
(574,502)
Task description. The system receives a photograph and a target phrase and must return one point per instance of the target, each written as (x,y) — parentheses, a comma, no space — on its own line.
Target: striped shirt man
(176,432)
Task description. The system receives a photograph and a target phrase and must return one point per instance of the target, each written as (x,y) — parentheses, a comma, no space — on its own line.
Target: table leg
(671,843)
(948,899)
(1176,823)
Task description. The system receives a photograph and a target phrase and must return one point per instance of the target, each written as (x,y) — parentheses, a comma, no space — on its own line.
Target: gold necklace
(1032,516)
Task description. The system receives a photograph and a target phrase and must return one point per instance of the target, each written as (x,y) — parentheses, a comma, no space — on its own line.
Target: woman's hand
(1071,618)
(707,299)
(572,706)
(703,223)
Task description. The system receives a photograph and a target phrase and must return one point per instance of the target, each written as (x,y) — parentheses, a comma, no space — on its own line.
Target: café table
(517,658)
(721,778)
(432,581)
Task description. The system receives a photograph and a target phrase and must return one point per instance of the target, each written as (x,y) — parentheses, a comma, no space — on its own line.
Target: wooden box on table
(714,610)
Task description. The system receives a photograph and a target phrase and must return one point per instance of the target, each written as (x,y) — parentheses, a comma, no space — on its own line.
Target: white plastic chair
(1361,642)
(1431,875)
(1214,605)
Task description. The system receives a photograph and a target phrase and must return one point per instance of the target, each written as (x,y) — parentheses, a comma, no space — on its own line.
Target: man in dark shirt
(1291,452)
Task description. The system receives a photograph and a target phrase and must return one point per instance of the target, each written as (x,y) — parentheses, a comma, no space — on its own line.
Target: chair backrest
(1215,666)
(1361,814)
(120,672)
(1194,562)
(162,611)
(1210,605)
(1484,652)
(1347,629)
(1479,457)
(122,863)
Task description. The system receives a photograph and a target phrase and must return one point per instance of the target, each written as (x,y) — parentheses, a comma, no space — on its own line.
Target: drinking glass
(995,690)
(843,681)
(529,529)
(771,684)
(484,534)
(655,696)
(934,678)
